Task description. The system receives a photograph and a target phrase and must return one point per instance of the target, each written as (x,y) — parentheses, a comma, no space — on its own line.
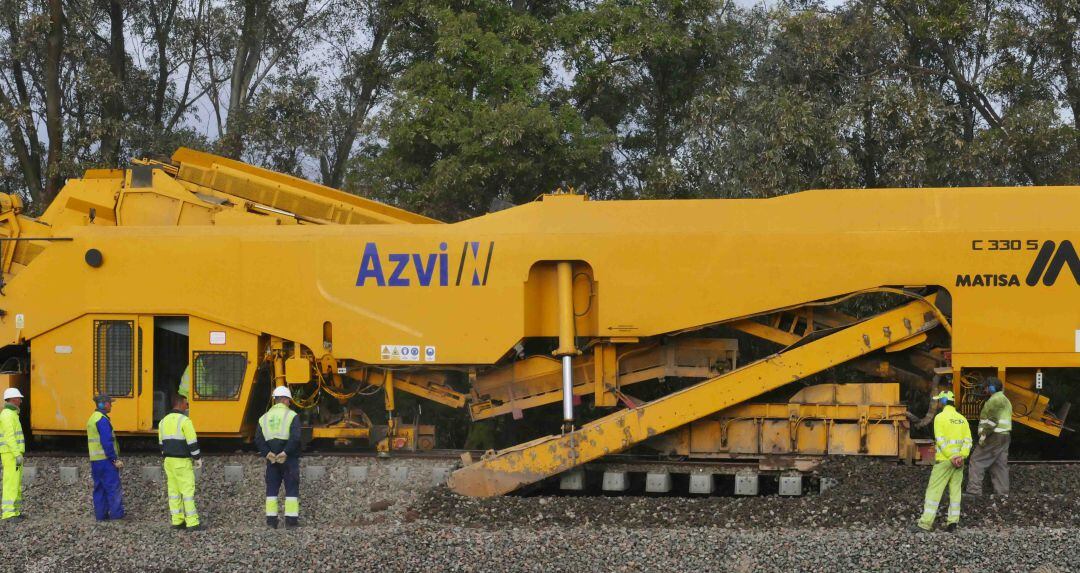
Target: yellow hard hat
(185,383)
(946,395)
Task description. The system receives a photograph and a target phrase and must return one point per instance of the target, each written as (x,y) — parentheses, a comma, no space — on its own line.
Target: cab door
(144,382)
(116,367)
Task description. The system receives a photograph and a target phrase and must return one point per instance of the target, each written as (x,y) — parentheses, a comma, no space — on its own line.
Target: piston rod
(567,388)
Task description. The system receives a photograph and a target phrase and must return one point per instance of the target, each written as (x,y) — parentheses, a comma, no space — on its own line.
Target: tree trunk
(866,64)
(249,51)
(1064,31)
(370,80)
(54,126)
(31,171)
(162,23)
(22,129)
(114,99)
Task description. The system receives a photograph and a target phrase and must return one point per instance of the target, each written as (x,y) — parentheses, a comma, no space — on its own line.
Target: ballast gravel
(384,523)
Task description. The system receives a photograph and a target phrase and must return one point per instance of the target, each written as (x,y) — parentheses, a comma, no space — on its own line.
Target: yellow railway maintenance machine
(248,275)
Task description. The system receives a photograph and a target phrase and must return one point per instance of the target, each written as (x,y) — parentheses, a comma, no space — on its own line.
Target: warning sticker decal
(399,352)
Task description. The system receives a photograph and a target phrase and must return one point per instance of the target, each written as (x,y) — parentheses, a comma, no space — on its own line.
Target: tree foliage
(445,106)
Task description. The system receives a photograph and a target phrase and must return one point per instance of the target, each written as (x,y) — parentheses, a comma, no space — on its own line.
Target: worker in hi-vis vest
(105,461)
(12,449)
(180,447)
(995,427)
(952,444)
(277,435)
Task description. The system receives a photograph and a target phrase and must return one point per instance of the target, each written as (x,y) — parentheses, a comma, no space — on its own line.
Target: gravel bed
(387,525)
(871,493)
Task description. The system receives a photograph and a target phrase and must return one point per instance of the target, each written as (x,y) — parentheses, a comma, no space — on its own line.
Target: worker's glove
(271,457)
(958,462)
(282,457)
(118,464)
(198,464)
(18,461)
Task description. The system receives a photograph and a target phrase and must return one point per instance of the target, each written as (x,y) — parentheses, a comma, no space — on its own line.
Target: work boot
(918,529)
(272,522)
(199,527)
(951,528)
(292,522)
(178,526)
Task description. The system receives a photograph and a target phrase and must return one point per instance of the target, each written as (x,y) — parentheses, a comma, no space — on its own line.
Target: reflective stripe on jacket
(100,450)
(177,437)
(11,434)
(996,415)
(952,435)
(278,431)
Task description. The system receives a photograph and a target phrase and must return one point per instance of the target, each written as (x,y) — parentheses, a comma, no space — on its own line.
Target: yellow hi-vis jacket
(11,434)
(177,437)
(952,435)
(94,444)
(996,415)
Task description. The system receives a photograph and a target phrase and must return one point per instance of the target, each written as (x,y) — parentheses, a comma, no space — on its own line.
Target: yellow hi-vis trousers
(943,474)
(180,475)
(11,502)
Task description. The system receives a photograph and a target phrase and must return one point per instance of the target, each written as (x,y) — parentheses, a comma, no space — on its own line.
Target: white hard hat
(12,393)
(282,392)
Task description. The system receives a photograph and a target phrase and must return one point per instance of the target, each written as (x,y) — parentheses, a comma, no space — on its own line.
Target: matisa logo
(1050,260)
(426,268)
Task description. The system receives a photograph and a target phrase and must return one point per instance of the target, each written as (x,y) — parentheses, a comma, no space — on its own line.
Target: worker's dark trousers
(108,499)
(992,454)
(289,473)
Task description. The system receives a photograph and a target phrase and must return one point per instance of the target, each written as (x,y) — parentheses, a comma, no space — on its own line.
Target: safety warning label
(399,352)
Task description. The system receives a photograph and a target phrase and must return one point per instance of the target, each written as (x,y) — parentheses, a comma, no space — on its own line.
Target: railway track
(621,474)
(456,455)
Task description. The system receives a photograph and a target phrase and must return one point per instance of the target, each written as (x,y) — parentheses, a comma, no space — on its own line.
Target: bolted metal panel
(701,484)
(746,483)
(616,481)
(573,480)
(791,484)
(658,482)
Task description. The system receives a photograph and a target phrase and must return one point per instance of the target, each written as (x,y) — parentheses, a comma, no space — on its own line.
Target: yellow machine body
(261,270)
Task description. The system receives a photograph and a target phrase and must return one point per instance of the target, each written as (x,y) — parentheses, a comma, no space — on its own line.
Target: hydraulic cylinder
(566,349)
